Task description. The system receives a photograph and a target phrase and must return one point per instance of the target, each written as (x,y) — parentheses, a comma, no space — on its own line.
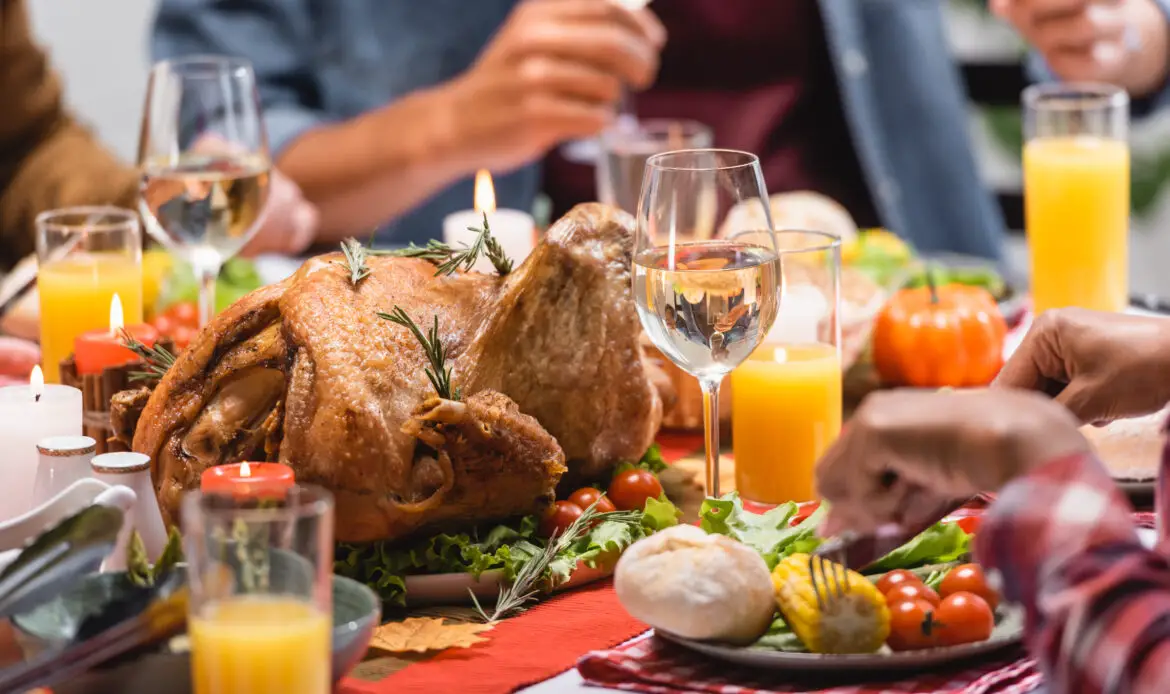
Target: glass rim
(114,219)
(689,127)
(203,65)
(319,504)
(748,159)
(829,241)
(1073,96)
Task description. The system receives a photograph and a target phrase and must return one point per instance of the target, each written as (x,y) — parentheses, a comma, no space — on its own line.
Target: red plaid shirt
(1098,603)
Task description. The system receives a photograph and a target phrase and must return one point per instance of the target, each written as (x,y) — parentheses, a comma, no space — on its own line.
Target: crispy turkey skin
(553,382)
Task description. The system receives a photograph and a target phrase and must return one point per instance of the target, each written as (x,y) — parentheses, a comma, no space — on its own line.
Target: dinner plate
(1009,631)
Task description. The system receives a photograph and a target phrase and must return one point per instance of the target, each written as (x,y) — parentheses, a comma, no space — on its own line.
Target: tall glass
(706,305)
(260,574)
(1076,195)
(625,147)
(84,256)
(786,398)
(203,152)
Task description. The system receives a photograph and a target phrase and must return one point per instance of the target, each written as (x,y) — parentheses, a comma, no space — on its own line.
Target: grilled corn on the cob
(856,622)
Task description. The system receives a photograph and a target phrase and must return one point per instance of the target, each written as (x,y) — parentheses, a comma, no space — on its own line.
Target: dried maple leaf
(422,634)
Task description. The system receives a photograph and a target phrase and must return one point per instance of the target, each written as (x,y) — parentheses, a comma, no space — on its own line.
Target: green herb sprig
(355,260)
(158,359)
(438,373)
(449,259)
(138,567)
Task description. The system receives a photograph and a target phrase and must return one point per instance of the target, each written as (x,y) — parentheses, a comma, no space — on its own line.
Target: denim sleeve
(275,35)
(1038,71)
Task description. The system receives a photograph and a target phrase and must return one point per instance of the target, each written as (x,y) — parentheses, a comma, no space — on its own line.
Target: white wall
(99,46)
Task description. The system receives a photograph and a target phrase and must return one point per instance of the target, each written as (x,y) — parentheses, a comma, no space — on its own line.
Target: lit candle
(29,414)
(248,479)
(785,412)
(97,350)
(515,230)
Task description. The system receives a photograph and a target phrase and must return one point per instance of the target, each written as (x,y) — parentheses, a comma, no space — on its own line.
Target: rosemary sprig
(526,585)
(158,358)
(449,259)
(439,373)
(355,259)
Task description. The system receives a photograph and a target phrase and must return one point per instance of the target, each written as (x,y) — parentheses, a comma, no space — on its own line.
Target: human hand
(17,359)
(1101,366)
(553,73)
(289,224)
(1121,42)
(907,452)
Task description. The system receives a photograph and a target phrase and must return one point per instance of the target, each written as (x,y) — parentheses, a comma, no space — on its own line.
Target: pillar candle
(515,230)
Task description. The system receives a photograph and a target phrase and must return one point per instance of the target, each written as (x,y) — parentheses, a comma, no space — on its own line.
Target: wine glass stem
(711,433)
(207,275)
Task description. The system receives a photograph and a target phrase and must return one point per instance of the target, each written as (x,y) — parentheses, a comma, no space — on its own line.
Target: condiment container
(62,461)
(133,470)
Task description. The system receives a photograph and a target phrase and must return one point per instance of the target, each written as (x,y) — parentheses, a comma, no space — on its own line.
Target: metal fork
(833,583)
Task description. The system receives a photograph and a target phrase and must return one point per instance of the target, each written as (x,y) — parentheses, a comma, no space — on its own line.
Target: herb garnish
(355,259)
(439,373)
(450,259)
(158,358)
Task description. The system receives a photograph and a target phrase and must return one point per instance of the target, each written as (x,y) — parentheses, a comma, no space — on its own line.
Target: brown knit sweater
(47,159)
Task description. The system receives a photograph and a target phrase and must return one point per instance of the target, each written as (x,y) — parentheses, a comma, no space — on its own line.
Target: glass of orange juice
(1076,195)
(260,577)
(786,397)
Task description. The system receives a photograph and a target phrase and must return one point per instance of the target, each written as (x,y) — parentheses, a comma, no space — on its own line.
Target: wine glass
(705,304)
(205,167)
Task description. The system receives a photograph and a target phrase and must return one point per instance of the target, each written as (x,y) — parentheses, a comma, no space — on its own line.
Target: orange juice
(1076,194)
(75,296)
(261,645)
(785,411)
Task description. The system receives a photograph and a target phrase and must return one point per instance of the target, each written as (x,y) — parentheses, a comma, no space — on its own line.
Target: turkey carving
(547,360)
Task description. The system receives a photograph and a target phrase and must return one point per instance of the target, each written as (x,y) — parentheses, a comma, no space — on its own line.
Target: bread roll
(1131,449)
(695,585)
(803,210)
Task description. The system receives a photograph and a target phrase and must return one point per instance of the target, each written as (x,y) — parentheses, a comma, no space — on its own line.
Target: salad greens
(237,278)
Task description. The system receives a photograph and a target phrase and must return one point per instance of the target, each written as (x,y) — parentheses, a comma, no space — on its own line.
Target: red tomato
(912,626)
(968,578)
(912,591)
(164,324)
(964,618)
(184,313)
(629,490)
(182,336)
(585,496)
(970,524)
(558,518)
(804,512)
(897,578)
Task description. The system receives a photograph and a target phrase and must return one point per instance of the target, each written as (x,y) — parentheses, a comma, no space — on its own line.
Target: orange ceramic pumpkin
(932,337)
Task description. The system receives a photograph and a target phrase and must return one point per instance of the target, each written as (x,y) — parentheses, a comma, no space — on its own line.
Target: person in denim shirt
(383,109)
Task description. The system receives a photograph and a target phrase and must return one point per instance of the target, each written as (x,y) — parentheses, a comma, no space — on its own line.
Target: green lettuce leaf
(652,460)
(767,533)
(939,544)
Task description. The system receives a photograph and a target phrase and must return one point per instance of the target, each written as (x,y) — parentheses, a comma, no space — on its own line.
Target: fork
(833,584)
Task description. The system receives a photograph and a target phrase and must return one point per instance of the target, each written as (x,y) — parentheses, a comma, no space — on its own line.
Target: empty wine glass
(705,304)
(205,167)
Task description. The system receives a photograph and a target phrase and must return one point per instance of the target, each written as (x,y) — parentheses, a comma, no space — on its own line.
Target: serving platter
(1009,632)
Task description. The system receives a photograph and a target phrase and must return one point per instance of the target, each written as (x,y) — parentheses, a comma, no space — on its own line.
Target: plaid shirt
(1062,543)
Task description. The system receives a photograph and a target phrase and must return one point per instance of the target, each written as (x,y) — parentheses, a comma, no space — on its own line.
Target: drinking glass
(625,147)
(85,255)
(1076,195)
(205,167)
(260,576)
(786,398)
(705,304)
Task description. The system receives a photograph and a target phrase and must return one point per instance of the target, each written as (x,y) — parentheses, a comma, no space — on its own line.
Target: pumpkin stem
(931,283)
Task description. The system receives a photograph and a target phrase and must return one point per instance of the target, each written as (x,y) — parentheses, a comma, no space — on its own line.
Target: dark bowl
(356,613)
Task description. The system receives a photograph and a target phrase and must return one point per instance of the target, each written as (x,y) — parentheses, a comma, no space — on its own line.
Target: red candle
(97,350)
(248,479)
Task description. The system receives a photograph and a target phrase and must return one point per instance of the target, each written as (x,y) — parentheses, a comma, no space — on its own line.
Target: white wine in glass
(203,155)
(706,305)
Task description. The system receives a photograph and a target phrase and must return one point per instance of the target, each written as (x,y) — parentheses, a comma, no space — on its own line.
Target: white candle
(515,230)
(802,307)
(29,414)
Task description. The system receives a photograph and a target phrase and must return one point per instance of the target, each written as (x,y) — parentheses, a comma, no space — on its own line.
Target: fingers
(1039,363)
(17,358)
(1079,39)
(290,222)
(579,80)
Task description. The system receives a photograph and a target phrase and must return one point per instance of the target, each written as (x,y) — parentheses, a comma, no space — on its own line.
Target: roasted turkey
(552,377)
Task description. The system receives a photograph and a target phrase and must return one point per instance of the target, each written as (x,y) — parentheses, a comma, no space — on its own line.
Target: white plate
(456,589)
(1009,631)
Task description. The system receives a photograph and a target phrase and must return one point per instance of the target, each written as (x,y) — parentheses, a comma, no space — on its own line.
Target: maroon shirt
(758,73)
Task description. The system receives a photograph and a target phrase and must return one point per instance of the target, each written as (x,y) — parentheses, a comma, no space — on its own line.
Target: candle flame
(117,319)
(780,355)
(485,192)
(36,383)
(245,470)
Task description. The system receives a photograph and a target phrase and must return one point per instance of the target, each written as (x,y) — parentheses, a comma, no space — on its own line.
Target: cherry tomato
(964,618)
(912,591)
(585,496)
(897,578)
(969,578)
(558,518)
(184,313)
(804,512)
(970,524)
(629,490)
(182,336)
(164,324)
(912,626)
